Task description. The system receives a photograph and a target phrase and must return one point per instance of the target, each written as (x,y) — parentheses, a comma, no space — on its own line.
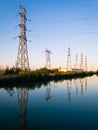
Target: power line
(55,34)
(8,25)
(86,18)
(70,20)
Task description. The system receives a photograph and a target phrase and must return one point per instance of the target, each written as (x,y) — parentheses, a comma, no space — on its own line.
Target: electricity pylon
(48,59)
(85,63)
(22,57)
(69,60)
(81,64)
(76,62)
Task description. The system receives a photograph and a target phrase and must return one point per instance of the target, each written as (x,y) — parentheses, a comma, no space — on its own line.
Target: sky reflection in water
(68,104)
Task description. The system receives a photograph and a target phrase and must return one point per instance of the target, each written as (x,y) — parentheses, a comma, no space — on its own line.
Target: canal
(62,105)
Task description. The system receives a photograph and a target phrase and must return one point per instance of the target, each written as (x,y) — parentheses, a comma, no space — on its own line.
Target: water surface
(63,105)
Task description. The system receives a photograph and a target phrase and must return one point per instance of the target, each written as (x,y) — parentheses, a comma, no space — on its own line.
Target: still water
(62,105)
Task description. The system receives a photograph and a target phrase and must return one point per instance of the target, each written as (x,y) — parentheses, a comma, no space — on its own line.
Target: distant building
(69,69)
(62,69)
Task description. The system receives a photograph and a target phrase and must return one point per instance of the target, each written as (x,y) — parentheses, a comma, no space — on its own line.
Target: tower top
(22,8)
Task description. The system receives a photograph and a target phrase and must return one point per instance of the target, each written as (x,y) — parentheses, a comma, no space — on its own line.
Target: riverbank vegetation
(16,76)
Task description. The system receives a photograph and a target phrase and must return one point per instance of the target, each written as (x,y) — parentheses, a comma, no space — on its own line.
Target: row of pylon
(69,65)
(81,66)
(22,57)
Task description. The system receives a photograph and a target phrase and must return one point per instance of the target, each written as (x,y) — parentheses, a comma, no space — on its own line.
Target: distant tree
(11,71)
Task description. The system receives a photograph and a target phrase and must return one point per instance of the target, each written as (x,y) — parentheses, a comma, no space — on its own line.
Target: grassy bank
(41,75)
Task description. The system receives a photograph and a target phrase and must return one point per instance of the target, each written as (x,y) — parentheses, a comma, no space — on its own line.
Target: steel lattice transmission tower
(81,64)
(22,58)
(76,62)
(48,59)
(85,63)
(22,103)
(69,60)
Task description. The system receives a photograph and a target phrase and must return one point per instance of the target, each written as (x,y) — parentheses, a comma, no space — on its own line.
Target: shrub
(11,71)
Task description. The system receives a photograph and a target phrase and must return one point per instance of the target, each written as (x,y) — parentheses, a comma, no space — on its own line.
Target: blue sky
(55,24)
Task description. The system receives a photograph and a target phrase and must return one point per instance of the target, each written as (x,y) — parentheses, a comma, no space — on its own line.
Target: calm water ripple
(63,105)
